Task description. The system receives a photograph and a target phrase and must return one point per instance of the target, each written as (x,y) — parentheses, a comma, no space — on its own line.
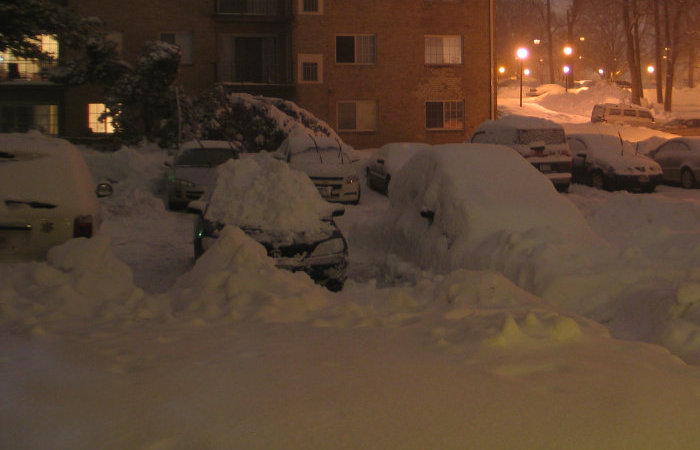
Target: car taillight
(82,227)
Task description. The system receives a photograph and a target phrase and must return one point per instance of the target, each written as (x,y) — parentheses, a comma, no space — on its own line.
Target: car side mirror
(104,190)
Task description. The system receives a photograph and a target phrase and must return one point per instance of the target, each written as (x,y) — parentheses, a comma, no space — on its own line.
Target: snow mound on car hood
(263,193)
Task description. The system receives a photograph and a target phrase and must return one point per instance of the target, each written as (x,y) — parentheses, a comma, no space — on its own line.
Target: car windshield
(549,136)
(204,157)
(321,155)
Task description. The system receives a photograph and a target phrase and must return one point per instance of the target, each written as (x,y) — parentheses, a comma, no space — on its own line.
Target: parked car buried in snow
(329,163)
(47,196)
(679,159)
(193,169)
(540,141)
(386,161)
(622,114)
(281,209)
(607,162)
(682,127)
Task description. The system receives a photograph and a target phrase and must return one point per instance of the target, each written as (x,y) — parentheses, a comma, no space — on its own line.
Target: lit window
(356,49)
(444,115)
(96,122)
(13,68)
(310,68)
(357,116)
(443,50)
(183,39)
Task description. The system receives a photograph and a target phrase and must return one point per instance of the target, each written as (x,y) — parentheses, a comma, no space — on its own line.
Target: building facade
(376,70)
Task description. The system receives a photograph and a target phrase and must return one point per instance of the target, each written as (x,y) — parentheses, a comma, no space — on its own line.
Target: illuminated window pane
(96,122)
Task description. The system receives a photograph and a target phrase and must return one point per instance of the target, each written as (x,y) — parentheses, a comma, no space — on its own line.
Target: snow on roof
(264,193)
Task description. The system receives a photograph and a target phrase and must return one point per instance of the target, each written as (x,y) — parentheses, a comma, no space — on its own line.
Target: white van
(540,141)
(47,196)
(622,114)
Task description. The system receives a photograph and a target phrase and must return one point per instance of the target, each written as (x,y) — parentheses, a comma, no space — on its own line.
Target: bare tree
(630,17)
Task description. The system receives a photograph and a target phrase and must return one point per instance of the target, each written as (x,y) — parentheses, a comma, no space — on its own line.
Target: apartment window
(311,6)
(443,50)
(24,117)
(357,116)
(183,40)
(310,68)
(247,7)
(96,122)
(444,115)
(356,49)
(248,59)
(13,67)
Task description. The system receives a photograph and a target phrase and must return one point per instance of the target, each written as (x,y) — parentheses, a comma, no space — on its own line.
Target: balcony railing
(22,69)
(248,7)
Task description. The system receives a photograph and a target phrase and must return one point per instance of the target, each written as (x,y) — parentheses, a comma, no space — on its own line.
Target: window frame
(107,124)
(355,37)
(445,113)
(442,37)
(303,11)
(372,103)
(310,58)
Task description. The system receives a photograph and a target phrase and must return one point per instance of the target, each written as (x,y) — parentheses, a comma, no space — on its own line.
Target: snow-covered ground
(122,342)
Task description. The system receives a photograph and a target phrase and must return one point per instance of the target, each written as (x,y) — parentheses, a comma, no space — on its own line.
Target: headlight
(352,179)
(329,247)
(183,184)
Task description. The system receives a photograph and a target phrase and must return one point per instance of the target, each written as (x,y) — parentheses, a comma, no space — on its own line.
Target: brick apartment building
(375,70)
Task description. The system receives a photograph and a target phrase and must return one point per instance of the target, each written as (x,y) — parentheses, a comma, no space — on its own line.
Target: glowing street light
(567,71)
(522,55)
(650,69)
(526,72)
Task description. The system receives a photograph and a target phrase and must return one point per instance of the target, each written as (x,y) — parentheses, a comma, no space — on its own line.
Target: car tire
(598,180)
(687,178)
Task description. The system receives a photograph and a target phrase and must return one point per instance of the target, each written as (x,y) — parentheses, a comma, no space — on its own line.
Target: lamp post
(568,51)
(567,71)
(522,54)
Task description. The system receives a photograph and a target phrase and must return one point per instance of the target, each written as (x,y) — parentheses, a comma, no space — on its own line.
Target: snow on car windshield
(263,193)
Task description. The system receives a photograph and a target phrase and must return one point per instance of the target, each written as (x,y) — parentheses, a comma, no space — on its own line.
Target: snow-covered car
(679,158)
(193,169)
(614,113)
(331,165)
(540,141)
(47,196)
(682,127)
(387,161)
(281,209)
(606,162)
(452,207)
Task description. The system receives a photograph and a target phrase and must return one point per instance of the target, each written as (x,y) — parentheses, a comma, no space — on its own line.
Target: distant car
(283,211)
(541,142)
(682,127)
(622,114)
(679,158)
(387,161)
(193,169)
(47,196)
(606,162)
(329,163)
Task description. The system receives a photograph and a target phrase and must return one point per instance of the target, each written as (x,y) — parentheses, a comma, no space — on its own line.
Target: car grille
(329,187)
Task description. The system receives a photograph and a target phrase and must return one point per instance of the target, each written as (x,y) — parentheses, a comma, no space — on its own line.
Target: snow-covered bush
(256,123)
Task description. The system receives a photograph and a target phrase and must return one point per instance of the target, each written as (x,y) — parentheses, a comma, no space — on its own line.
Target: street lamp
(522,54)
(567,71)
(568,51)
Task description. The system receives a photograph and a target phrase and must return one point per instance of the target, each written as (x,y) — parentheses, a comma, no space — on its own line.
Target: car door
(669,156)
(579,155)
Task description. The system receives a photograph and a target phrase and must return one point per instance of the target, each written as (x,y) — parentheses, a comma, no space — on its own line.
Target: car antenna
(340,151)
(318,151)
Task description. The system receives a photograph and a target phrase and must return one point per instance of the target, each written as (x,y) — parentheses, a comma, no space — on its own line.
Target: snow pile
(581,101)
(81,282)
(236,280)
(264,193)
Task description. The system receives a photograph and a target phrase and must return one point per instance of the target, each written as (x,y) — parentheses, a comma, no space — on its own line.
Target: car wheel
(598,180)
(687,178)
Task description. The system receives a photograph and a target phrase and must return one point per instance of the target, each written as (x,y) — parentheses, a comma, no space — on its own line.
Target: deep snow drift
(121,342)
